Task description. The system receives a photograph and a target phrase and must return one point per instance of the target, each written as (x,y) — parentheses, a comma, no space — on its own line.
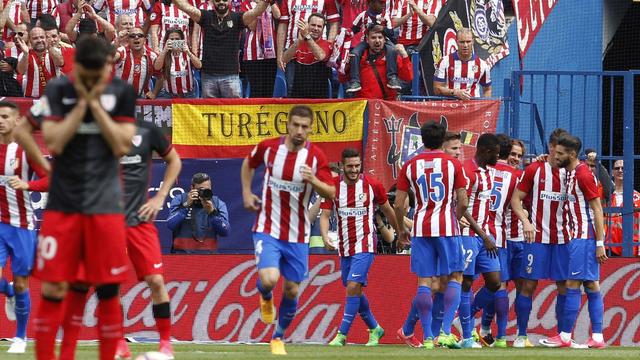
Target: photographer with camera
(175,62)
(197,218)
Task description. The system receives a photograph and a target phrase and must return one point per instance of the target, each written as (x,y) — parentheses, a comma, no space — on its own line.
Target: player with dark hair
(357,196)
(88,123)
(294,169)
(435,178)
(586,249)
(480,250)
(545,250)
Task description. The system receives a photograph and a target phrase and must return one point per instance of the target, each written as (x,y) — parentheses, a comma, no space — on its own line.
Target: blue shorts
(19,244)
(477,259)
(545,261)
(515,250)
(583,264)
(292,259)
(356,268)
(505,269)
(436,256)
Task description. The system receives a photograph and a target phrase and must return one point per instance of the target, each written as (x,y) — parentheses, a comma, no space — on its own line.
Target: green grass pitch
(298,351)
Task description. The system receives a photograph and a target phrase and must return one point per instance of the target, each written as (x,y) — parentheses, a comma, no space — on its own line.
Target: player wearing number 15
(294,168)
(437,179)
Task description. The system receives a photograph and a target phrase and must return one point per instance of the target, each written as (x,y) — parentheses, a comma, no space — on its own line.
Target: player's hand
(601,254)
(403,240)
(490,246)
(251,202)
(542,158)
(150,209)
(307,173)
(462,94)
(464,223)
(328,244)
(18,184)
(192,196)
(208,205)
(22,45)
(529,232)
(91,13)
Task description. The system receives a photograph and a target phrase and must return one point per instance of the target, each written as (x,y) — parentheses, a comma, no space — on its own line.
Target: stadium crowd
(168,49)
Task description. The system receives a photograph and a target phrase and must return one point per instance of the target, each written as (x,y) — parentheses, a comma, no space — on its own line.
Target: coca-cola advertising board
(214,298)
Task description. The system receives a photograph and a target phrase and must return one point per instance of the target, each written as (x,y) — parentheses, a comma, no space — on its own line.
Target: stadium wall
(569,40)
(213,298)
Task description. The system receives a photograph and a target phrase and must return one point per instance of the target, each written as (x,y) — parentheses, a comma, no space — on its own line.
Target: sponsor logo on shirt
(175,21)
(284,185)
(129,160)
(304,7)
(553,196)
(466,80)
(108,101)
(484,194)
(88,129)
(352,212)
(125,11)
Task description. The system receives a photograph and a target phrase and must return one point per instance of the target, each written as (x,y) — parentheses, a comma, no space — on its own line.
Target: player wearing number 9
(437,179)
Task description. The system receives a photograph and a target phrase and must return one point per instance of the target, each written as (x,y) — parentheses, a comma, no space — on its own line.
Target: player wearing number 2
(437,179)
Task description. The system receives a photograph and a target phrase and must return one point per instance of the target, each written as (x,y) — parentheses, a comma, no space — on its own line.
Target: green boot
(339,340)
(428,344)
(374,336)
(500,343)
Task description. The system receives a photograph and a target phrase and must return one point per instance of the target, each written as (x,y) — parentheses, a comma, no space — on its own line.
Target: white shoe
(10,308)
(575,345)
(19,346)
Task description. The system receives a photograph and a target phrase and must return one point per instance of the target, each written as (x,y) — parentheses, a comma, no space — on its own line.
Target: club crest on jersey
(474,68)
(14,163)
(136,68)
(362,197)
(108,102)
(136,140)
(153,16)
(230,23)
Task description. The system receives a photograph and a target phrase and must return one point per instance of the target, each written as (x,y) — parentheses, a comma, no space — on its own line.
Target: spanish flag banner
(230,128)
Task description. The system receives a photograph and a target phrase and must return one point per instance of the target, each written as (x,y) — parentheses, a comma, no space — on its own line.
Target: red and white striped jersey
(15,205)
(479,192)
(285,196)
(412,31)
(459,74)
(294,10)
(15,14)
(137,9)
(547,190)
(350,10)
(512,223)
(167,17)
(38,7)
(505,179)
(355,208)
(180,81)
(135,70)
(364,19)
(254,43)
(582,186)
(40,70)
(434,177)
(204,5)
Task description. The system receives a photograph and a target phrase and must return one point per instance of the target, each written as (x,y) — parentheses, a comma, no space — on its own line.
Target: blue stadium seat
(247,90)
(197,79)
(415,84)
(280,85)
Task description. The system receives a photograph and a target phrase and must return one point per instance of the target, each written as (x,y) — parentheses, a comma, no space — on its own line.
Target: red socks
(46,326)
(72,323)
(109,326)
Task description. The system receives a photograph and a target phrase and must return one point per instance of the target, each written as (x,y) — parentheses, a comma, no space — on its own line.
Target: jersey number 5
(435,187)
(496,196)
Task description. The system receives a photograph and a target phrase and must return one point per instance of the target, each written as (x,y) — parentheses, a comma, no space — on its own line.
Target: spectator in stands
(134,64)
(259,55)
(39,63)
(311,53)
(449,80)
(9,86)
(197,218)
(68,51)
(39,7)
(373,63)
(293,10)
(124,23)
(175,61)
(11,48)
(614,233)
(164,16)
(82,11)
(601,173)
(222,29)
(374,15)
(12,14)
(517,153)
(136,9)
(414,19)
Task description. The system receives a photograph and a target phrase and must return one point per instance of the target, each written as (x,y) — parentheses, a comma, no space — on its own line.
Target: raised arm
(251,200)
(194,13)
(249,16)
(57,134)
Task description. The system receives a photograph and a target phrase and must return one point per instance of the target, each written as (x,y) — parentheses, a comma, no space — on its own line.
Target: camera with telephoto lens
(205,194)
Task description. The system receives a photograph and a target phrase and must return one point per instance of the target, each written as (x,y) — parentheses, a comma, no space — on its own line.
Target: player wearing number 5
(437,179)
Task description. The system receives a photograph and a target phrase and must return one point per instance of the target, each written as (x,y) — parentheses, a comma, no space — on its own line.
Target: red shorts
(67,240)
(143,248)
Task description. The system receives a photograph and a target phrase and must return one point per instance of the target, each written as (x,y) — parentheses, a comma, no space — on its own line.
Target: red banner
(530,15)
(394,130)
(221,303)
